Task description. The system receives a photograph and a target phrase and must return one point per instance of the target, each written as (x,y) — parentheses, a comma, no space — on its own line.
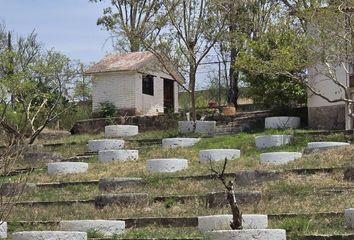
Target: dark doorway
(168,95)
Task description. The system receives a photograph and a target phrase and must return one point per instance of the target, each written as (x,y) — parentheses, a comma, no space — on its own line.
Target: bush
(107,109)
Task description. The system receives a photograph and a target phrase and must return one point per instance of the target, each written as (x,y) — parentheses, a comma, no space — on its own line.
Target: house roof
(133,61)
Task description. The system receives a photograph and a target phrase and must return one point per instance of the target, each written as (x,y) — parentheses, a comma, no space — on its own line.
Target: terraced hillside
(306,197)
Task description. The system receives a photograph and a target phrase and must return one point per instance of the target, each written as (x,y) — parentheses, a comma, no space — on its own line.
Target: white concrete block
(205,127)
(247,234)
(67,167)
(185,126)
(272,141)
(312,145)
(279,157)
(105,144)
(105,227)
(49,235)
(166,165)
(118,155)
(179,142)
(222,222)
(116,131)
(282,122)
(3,230)
(349,217)
(205,156)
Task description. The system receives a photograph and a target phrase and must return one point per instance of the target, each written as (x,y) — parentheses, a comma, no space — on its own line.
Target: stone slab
(247,234)
(282,122)
(219,199)
(116,131)
(213,155)
(314,147)
(3,230)
(279,157)
(122,199)
(205,127)
(67,168)
(12,189)
(179,142)
(245,178)
(108,228)
(105,144)
(185,126)
(49,235)
(113,184)
(272,141)
(349,173)
(118,155)
(349,217)
(41,157)
(222,222)
(166,165)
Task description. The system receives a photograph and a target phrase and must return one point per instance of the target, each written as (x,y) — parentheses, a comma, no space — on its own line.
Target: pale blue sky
(68,26)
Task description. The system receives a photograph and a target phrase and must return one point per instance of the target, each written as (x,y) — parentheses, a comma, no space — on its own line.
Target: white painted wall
(118,88)
(326,86)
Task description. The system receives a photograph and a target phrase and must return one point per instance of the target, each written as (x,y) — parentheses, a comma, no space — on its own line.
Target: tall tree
(130,21)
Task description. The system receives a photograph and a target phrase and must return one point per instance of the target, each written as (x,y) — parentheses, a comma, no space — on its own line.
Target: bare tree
(230,195)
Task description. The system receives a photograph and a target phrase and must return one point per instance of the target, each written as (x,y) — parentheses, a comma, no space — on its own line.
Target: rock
(122,199)
(105,144)
(3,230)
(49,235)
(349,217)
(41,157)
(113,184)
(247,234)
(116,131)
(349,173)
(166,165)
(67,168)
(272,141)
(282,122)
(279,157)
(118,155)
(205,127)
(179,142)
(245,178)
(205,156)
(105,227)
(218,199)
(222,222)
(185,126)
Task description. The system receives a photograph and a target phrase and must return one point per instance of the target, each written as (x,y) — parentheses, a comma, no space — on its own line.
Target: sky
(68,26)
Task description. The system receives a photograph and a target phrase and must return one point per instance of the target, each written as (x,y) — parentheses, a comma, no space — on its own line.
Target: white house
(135,83)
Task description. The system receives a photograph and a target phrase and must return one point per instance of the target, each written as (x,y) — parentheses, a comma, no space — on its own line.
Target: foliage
(107,109)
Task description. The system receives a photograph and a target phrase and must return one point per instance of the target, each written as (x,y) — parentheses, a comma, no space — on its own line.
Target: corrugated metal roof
(133,61)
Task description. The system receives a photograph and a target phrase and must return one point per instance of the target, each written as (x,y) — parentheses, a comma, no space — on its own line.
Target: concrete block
(279,157)
(122,199)
(166,165)
(205,127)
(205,156)
(105,144)
(113,184)
(247,234)
(282,122)
(49,235)
(349,217)
(116,131)
(67,168)
(222,222)
(104,227)
(118,155)
(179,142)
(272,141)
(3,230)
(185,126)
(326,144)
(41,157)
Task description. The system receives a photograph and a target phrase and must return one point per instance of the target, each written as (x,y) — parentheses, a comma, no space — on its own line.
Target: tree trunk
(234,90)
(192,80)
